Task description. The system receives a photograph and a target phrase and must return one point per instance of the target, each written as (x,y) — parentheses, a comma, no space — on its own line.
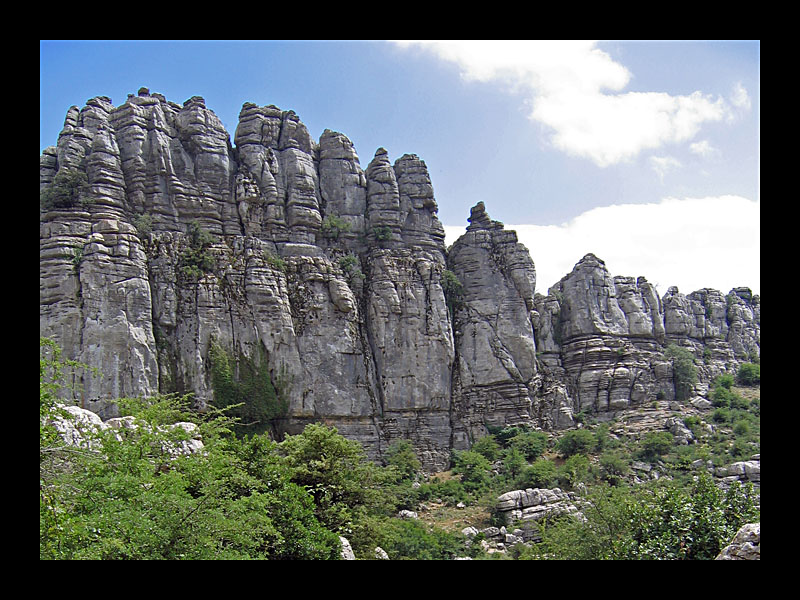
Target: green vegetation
(382,234)
(131,493)
(749,374)
(577,441)
(351,267)
(453,291)
(275,261)
(196,259)
(333,226)
(245,387)
(69,189)
(143,224)
(684,371)
(664,521)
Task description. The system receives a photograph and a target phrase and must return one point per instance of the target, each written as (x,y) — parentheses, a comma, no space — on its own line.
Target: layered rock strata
(284,254)
(603,338)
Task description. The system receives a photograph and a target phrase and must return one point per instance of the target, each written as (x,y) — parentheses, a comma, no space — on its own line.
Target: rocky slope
(284,254)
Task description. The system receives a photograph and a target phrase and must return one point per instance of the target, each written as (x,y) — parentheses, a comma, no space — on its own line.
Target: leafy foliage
(196,259)
(133,497)
(749,374)
(336,472)
(70,188)
(333,226)
(244,385)
(662,521)
(684,372)
(576,441)
(453,291)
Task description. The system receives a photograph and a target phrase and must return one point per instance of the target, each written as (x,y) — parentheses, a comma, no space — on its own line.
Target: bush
(532,444)
(409,539)
(542,473)
(453,291)
(401,457)
(654,444)
(613,467)
(450,491)
(332,226)
(725,381)
(70,188)
(684,372)
(577,441)
(244,385)
(196,260)
(749,374)
(134,499)
(336,472)
(474,469)
(662,521)
(488,447)
(576,469)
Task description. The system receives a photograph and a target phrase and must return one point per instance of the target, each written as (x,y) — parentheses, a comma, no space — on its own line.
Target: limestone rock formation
(167,251)
(746,544)
(535,505)
(604,337)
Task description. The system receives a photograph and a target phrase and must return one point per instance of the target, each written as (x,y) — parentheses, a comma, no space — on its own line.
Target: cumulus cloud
(691,243)
(576,90)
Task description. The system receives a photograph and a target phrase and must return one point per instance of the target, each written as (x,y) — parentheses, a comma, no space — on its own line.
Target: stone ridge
(285,248)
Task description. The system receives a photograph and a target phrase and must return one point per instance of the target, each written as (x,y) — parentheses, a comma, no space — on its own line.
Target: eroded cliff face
(283,252)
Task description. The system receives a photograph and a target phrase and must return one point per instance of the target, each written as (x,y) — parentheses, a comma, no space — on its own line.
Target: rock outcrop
(165,247)
(746,544)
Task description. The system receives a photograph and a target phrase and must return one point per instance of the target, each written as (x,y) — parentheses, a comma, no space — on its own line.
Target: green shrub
(576,441)
(143,224)
(513,462)
(450,491)
(453,291)
(409,539)
(400,456)
(196,259)
(70,188)
(749,374)
(532,444)
(542,473)
(382,234)
(275,261)
(655,444)
(488,447)
(576,469)
(351,266)
(332,226)
(474,469)
(663,521)
(684,372)
(337,474)
(613,467)
(233,500)
(725,381)
(244,385)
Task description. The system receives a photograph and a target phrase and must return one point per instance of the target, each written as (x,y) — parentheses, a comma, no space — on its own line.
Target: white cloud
(691,243)
(740,97)
(575,89)
(704,148)
(663,165)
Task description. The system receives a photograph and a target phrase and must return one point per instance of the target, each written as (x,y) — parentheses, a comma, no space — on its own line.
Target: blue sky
(645,153)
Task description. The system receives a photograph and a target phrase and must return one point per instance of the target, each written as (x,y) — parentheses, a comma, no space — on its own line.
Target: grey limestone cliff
(282,252)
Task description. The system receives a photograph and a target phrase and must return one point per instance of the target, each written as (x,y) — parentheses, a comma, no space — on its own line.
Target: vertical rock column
(96,301)
(496,371)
